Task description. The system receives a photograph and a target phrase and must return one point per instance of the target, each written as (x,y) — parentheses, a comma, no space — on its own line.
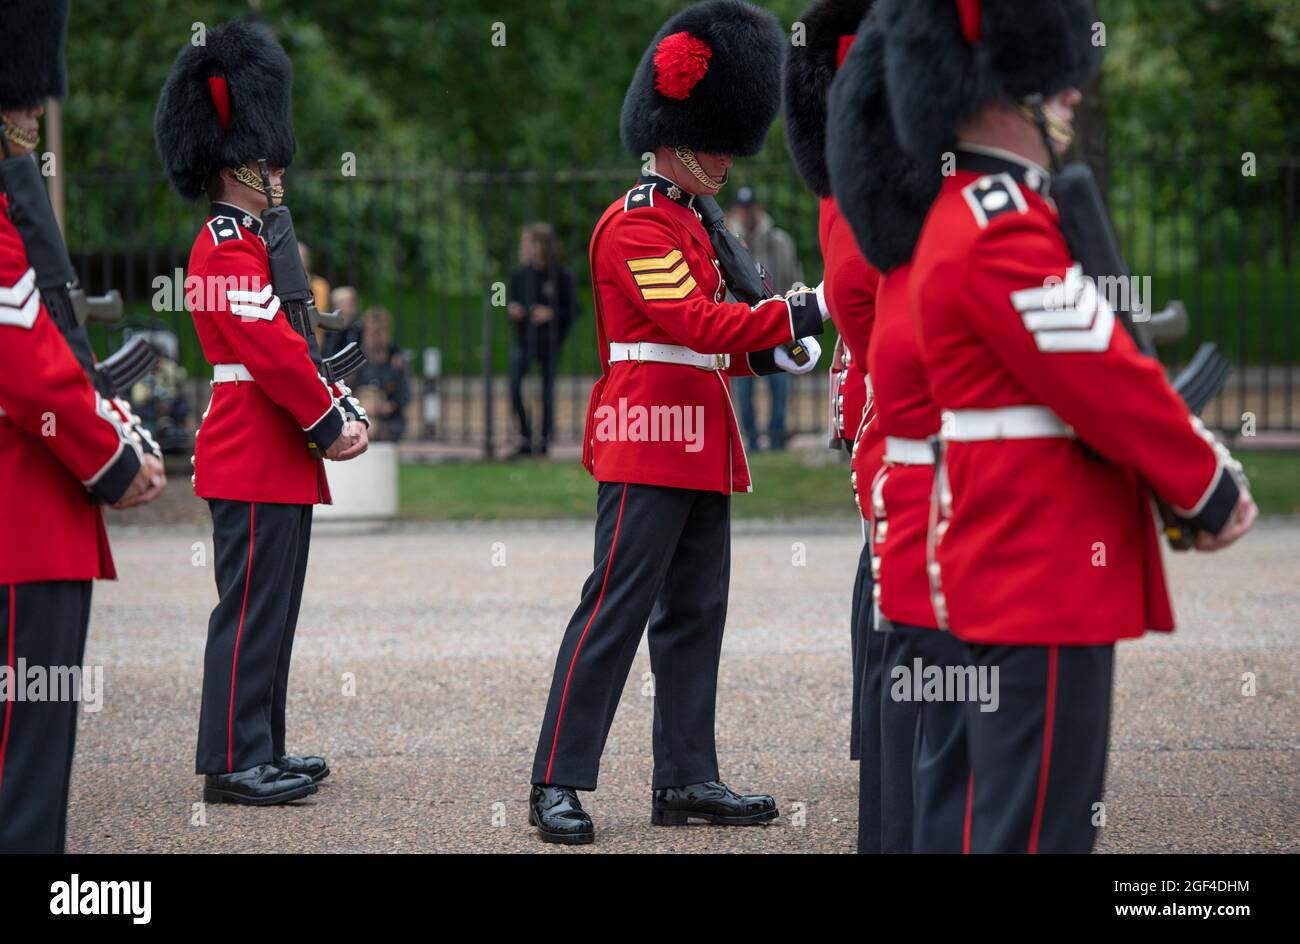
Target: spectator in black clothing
(542,305)
(381,384)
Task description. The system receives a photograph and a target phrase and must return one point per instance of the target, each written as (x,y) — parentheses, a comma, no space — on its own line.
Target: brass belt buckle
(719,361)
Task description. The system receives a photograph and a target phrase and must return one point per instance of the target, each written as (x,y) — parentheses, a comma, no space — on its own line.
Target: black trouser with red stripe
(941,771)
(42,625)
(1039,760)
(663,555)
(260,551)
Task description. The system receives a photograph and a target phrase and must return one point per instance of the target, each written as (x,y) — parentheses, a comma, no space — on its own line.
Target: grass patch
(787,485)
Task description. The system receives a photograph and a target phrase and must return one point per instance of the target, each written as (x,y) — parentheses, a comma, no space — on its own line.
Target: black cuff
(763,363)
(1216,511)
(805,315)
(327,429)
(117,478)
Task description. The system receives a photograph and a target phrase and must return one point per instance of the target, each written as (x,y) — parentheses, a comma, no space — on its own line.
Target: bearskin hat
(828,28)
(949,58)
(883,191)
(31,66)
(225,102)
(710,81)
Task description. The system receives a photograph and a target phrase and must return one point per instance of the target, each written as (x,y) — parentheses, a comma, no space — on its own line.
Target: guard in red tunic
(64,450)
(887,193)
(850,285)
(661,436)
(224,130)
(1056,430)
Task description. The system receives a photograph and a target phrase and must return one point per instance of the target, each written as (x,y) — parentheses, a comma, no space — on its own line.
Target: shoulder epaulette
(993,195)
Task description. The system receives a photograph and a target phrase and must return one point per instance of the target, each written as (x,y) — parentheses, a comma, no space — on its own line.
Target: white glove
(787,364)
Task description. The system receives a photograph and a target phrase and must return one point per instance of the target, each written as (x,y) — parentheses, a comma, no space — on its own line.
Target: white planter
(364,488)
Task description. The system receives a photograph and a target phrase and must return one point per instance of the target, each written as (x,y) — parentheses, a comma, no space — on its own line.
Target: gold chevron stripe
(671,277)
(676,292)
(655,262)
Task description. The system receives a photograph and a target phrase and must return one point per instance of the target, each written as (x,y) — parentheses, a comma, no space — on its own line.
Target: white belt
(228,373)
(908,451)
(1008,422)
(641,351)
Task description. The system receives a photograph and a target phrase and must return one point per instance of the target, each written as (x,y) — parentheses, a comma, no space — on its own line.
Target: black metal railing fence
(435,247)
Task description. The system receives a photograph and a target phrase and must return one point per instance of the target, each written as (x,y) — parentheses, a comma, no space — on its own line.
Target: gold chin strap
(1060,132)
(250,178)
(28,140)
(687,157)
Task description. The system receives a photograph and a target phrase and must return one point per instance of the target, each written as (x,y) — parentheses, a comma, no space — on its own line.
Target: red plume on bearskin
(681,61)
(969,11)
(220,92)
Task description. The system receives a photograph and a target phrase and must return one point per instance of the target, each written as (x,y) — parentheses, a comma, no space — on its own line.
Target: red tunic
(850,286)
(900,493)
(657,281)
(1047,541)
(59,440)
(253,441)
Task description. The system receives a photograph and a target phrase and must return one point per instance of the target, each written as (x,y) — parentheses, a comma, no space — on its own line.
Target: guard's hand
(360,442)
(138,487)
(1239,522)
(787,364)
(347,439)
(516,311)
(542,314)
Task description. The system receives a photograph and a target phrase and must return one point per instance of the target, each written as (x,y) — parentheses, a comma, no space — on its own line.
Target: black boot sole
(217,795)
(563,839)
(684,818)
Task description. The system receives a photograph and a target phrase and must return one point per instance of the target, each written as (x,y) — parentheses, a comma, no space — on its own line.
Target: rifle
(1091,238)
(67,303)
(289,279)
(748,280)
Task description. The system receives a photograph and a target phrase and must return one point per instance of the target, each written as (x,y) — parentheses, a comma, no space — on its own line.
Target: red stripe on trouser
(609,565)
(970,802)
(9,702)
(1049,720)
(234,662)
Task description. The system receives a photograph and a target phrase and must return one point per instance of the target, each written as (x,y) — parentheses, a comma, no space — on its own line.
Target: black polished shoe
(310,766)
(710,802)
(558,815)
(263,785)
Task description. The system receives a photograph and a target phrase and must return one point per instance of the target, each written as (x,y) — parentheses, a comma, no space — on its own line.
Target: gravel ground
(421,670)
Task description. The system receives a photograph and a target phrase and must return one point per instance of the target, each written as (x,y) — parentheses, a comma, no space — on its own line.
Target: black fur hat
(809,70)
(710,81)
(31,64)
(225,103)
(883,191)
(949,58)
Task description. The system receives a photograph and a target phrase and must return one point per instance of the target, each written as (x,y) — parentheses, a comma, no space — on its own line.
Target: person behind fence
(706,89)
(774,249)
(347,303)
(64,452)
(1055,430)
(542,307)
(224,131)
(382,384)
